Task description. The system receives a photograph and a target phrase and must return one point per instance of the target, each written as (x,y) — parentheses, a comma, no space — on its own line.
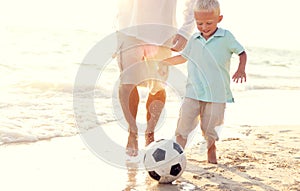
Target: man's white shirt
(158,17)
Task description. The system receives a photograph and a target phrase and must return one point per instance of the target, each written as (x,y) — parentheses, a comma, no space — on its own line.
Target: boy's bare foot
(180,140)
(212,155)
(132,145)
(149,138)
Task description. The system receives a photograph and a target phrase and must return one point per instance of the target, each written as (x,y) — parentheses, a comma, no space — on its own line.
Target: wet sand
(252,155)
(268,158)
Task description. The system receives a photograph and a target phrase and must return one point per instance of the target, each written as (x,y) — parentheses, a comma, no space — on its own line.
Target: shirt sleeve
(234,45)
(187,49)
(187,29)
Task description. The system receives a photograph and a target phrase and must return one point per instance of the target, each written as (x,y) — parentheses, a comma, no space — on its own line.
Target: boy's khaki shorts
(209,114)
(138,62)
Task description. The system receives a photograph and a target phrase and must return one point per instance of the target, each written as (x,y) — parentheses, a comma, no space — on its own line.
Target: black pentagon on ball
(159,155)
(177,148)
(154,175)
(175,169)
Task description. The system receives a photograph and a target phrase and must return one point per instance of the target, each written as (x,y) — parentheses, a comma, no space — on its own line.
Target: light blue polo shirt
(209,65)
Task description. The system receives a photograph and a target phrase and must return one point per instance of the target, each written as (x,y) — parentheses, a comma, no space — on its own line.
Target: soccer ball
(164,160)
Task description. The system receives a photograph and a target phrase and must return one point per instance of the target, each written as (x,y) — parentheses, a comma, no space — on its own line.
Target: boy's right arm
(169,62)
(174,60)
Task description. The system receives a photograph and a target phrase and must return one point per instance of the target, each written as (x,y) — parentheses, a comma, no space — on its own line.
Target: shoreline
(252,108)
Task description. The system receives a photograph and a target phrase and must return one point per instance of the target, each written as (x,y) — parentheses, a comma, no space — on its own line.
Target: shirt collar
(219,33)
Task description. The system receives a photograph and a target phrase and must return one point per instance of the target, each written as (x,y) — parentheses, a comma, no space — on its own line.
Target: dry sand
(268,158)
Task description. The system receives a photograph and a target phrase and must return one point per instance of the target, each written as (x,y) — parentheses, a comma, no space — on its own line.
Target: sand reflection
(138,180)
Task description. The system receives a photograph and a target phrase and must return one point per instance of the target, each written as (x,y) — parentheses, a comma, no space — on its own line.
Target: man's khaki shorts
(138,62)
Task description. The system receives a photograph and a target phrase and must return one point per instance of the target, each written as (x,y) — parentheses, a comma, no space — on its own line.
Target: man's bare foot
(149,138)
(132,145)
(212,155)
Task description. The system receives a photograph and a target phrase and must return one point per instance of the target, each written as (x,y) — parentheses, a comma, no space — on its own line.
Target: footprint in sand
(247,132)
(261,136)
(241,168)
(231,139)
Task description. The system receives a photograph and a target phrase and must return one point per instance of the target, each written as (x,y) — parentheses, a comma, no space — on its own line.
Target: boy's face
(207,22)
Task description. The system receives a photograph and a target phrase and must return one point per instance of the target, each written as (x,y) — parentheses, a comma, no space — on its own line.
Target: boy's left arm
(240,74)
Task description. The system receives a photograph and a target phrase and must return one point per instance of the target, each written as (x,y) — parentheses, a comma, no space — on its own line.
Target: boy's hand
(239,76)
(162,69)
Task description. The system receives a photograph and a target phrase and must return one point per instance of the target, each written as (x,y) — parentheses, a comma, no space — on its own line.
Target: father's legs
(157,96)
(129,99)
(154,105)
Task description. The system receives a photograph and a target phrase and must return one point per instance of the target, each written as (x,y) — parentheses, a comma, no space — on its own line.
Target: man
(147,30)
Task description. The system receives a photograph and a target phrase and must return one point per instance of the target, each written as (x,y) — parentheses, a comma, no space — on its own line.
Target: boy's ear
(220,18)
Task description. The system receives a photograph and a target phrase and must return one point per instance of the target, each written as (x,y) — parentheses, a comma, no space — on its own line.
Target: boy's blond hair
(207,5)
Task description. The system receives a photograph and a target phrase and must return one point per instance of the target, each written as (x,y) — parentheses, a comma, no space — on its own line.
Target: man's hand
(179,43)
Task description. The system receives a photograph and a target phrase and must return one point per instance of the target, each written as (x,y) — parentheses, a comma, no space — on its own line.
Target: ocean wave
(43,86)
(10,135)
(273,76)
(266,84)
(271,87)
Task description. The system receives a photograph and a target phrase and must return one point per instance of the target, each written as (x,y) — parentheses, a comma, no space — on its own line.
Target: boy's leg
(129,99)
(154,105)
(188,120)
(212,153)
(212,115)
(181,140)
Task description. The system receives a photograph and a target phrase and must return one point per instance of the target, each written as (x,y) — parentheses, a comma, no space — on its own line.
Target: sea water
(38,67)
(43,46)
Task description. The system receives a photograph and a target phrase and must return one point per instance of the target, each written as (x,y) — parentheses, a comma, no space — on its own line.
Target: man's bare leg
(154,105)
(129,99)
(132,144)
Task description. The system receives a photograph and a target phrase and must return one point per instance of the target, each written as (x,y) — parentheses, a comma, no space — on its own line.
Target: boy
(208,88)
